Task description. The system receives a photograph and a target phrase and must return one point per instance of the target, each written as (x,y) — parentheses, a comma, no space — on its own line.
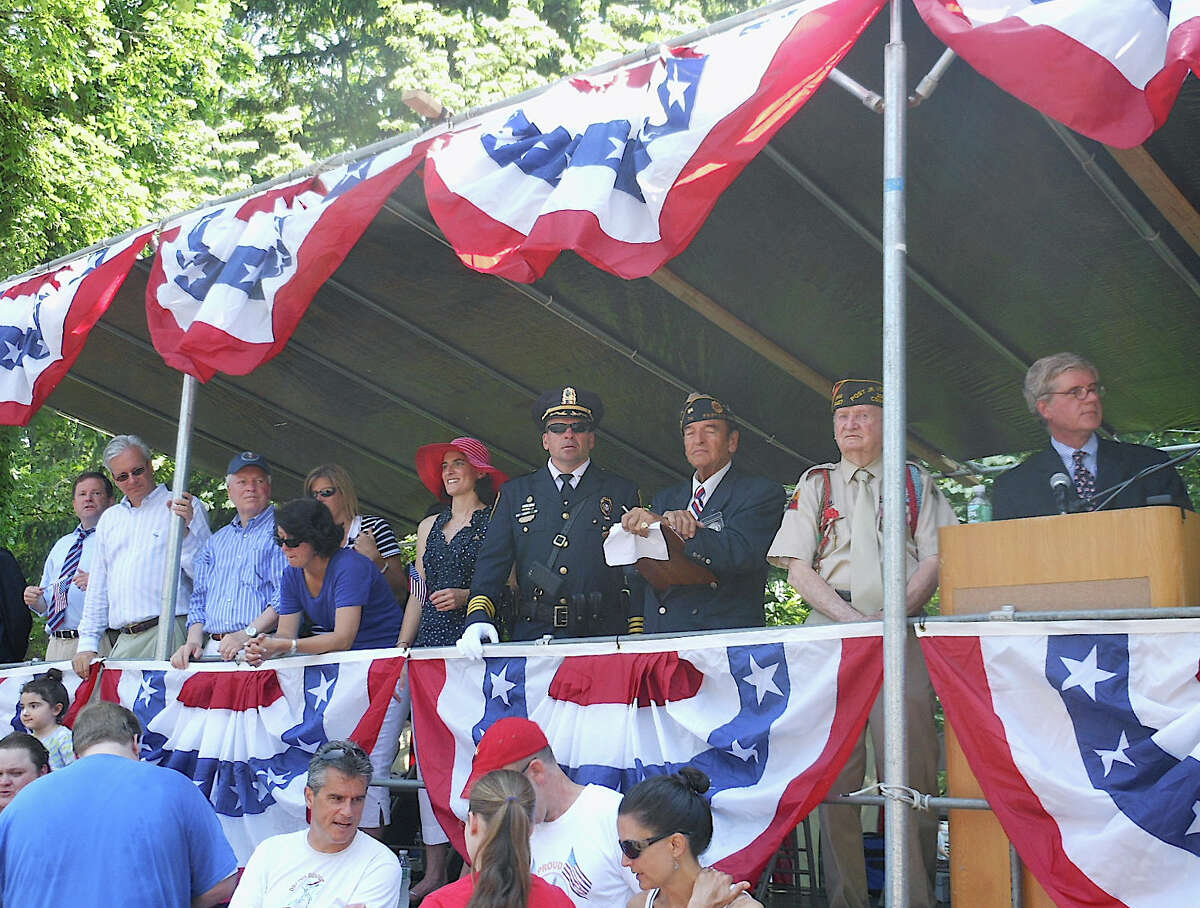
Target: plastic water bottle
(979,508)
(405,875)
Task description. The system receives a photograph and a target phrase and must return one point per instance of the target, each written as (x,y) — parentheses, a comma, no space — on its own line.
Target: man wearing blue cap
(237,573)
(550,525)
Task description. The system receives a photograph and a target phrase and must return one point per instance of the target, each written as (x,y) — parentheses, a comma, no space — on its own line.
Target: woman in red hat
(461,475)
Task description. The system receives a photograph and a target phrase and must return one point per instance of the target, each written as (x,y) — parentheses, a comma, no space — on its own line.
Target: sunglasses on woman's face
(324,493)
(289,541)
(633,848)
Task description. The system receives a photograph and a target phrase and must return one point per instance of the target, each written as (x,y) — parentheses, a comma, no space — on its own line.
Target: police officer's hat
(852,392)
(568,402)
(699,407)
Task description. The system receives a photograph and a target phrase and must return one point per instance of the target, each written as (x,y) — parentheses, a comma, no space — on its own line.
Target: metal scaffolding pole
(177,529)
(897,814)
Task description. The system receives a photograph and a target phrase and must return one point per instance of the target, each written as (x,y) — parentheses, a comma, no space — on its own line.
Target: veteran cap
(699,407)
(568,402)
(852,392)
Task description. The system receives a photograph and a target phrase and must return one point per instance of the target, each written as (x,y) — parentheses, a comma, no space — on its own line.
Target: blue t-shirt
(350,580)
(109,830)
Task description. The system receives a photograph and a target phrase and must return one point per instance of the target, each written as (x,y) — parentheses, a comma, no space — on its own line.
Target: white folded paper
(622,547)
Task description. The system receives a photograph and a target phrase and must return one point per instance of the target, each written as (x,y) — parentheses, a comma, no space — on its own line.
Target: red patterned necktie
(698,502)
(1085,482)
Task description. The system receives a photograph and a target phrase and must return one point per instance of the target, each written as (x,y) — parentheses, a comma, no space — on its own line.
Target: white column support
(177,529)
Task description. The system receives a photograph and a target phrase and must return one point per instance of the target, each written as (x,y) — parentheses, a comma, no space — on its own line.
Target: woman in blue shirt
(340,591)
(350,606)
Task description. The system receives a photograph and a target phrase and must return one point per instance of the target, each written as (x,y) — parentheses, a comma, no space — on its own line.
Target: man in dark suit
(727,520)
(550,524)
(1064,392)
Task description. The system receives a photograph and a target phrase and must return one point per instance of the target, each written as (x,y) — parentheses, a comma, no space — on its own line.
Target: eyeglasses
(289,541)
(1080,392)
(136,471)
(633,848)
(560,428)
(324,493)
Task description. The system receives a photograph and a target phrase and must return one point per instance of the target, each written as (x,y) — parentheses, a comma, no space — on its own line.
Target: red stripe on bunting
(960,678)
(860,675)
(1067,80)
(626,678)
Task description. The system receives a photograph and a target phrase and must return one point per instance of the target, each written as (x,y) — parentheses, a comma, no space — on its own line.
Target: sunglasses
(559,428)
(324,493)
(289,541)
(633,848)
(122,477)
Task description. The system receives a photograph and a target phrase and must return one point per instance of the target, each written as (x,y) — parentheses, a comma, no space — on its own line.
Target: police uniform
(829,552)
(556,541)
(741,516)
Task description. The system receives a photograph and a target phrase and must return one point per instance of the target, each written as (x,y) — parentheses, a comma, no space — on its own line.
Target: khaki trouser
(841,827)
(62,649)
(142,646)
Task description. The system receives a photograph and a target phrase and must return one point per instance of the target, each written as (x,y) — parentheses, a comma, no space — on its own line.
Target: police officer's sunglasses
(579,428)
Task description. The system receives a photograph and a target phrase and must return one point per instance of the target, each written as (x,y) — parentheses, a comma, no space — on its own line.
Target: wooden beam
(711,310)
(1162,192)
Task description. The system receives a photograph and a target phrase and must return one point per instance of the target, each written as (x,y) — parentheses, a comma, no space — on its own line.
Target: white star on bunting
(1085,674)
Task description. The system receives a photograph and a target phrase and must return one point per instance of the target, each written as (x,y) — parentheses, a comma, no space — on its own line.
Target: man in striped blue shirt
(236,586)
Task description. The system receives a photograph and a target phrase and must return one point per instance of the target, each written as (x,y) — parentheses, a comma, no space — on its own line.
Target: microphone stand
(1145,471)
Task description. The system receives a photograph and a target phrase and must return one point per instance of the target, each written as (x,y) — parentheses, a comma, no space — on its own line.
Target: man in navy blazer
(727,520)
(1064,392)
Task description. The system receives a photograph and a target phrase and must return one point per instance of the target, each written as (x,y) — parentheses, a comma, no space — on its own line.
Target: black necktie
(565,478)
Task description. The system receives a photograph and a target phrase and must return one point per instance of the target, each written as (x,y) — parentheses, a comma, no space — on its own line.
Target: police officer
(830,542)
(727,520)
(551,524)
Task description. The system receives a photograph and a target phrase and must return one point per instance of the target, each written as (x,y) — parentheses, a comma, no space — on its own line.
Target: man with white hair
(237,573)
(125,587)
(1064,392)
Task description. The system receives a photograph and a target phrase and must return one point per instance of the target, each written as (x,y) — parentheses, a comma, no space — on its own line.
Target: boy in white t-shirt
(574,842)
(332,863)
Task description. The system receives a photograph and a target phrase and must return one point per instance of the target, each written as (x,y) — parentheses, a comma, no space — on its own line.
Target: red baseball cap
(506,741)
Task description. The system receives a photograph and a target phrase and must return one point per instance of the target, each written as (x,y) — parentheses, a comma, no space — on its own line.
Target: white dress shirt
(126,582)
(576,474)
(710,484)
(54,565)
(1090,451)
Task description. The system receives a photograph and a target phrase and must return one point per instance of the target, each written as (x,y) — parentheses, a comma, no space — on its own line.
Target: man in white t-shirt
(574,841)
(332,863)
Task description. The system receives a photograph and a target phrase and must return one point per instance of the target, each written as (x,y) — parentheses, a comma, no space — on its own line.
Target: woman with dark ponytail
(499,822)
(665,824)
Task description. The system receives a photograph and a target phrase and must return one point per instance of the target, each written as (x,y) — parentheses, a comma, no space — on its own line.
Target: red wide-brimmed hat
(429,463)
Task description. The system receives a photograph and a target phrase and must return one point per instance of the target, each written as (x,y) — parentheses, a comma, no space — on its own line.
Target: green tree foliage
(108,116)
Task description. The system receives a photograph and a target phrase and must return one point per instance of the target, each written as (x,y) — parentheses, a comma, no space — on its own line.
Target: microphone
(1059,483)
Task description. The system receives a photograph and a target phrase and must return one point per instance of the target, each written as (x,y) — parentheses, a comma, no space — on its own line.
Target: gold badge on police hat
(568,396)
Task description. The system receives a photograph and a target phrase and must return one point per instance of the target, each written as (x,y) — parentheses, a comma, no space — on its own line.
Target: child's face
(36,713)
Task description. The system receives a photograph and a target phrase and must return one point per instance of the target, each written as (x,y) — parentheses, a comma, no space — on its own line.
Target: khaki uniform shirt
(799,534)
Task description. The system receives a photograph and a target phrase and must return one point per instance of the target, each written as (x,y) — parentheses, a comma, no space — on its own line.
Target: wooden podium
(1138,558)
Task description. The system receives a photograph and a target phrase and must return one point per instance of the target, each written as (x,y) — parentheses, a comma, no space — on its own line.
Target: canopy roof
(1023,239)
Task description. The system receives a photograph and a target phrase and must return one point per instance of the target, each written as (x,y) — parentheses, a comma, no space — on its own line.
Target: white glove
(470,644)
